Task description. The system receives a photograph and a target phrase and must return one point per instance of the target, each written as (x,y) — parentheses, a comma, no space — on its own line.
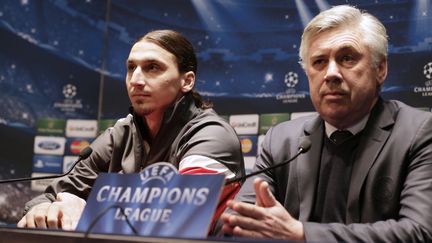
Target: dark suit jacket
(390,193)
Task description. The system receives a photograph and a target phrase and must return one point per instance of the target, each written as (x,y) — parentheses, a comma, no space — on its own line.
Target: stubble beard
(142,109)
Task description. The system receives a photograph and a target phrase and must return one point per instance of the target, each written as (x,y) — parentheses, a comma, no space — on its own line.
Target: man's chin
(142,111)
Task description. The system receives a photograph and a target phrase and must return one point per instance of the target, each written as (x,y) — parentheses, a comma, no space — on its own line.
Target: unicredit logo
(48,145)
(243,124)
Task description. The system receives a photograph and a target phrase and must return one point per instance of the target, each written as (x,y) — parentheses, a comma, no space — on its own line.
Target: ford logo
(49,145)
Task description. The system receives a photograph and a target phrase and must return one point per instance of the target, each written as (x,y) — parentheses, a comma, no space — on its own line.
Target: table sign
(157,202)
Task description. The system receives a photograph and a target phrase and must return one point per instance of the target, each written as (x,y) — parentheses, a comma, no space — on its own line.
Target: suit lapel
(308,166)
(373,139)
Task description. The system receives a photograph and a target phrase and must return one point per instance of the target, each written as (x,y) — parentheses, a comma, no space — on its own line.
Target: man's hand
(266,219)
(64,213)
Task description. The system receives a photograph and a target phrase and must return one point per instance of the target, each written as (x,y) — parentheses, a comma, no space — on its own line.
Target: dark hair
(175,43)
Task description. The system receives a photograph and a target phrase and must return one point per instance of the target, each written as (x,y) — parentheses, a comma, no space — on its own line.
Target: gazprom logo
(49,145)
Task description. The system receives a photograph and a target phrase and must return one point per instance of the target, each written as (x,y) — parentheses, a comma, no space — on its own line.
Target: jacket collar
(174,119)
(308,166)
(374,135)
(180,112)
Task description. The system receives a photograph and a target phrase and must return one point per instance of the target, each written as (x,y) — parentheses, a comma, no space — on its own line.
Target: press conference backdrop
(62,69)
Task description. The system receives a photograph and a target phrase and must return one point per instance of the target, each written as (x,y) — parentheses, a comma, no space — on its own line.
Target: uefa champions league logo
(69,91)
(291,79)
(70,104)
(425,90)
(161,171)
(427,70)
(291,95)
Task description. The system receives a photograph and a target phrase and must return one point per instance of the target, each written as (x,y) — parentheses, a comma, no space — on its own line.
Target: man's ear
(382,72)
(188,81)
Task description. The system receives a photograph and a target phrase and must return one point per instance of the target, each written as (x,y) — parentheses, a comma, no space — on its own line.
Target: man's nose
(138,77)
(333,72)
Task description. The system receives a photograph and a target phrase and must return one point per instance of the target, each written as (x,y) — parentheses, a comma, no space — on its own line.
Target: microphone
(304,146)
(84,154)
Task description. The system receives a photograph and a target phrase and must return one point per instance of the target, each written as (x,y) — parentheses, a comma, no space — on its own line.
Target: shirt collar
(354,129)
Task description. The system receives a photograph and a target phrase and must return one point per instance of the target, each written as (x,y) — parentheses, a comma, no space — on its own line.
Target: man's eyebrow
(347,48)
(317,55)
(130,60)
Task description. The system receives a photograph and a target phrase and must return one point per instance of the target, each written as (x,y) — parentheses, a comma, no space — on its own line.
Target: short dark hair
(177,44)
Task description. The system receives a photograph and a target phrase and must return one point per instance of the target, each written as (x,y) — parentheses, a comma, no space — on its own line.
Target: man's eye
(153,67)
(348,60)
(319,63)
(131,67)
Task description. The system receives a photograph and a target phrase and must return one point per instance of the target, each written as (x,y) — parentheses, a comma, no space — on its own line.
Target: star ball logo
(70,104)
(291,80)
(427,89)
(69,91)
(427,70)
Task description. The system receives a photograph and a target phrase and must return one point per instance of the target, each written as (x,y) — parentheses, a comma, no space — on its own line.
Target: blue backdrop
(66,59)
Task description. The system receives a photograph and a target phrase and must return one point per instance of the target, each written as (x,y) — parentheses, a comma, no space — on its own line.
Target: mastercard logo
(246,145)
(77,146)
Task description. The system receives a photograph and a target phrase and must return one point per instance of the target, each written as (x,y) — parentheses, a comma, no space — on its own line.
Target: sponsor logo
(38,164)
(47,163)
(48,126)
(268,120)
(77,146)
(81,128)
(245,124)
(49,145)
(246,145)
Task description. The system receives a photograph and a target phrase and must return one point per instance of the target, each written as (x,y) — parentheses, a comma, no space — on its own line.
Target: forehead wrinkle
(321,46)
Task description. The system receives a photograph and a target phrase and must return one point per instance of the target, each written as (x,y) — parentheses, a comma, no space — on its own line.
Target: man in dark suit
(372,185)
